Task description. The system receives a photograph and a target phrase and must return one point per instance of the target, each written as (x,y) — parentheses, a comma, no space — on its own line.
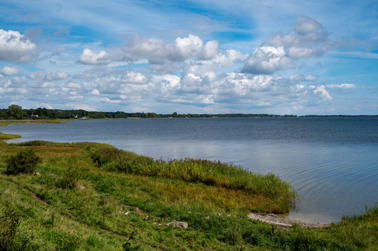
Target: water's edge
(333,174)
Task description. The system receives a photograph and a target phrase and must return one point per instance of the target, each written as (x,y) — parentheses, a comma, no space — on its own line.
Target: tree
(15,111)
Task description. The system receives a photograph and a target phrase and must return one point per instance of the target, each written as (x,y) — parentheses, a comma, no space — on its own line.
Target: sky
(295,57)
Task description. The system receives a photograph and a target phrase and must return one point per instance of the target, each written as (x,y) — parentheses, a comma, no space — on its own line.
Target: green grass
(83,190)
(4,136)
(279,193)
(31,121)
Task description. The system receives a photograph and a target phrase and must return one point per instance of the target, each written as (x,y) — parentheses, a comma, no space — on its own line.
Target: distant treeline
(339,116)
(16,112)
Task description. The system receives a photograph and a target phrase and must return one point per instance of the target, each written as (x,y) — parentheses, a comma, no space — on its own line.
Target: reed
(211,173)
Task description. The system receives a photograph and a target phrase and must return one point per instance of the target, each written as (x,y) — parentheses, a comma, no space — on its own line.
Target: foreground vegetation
(90,196)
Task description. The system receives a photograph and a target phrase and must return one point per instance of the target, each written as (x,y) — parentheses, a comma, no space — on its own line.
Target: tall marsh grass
(212,173)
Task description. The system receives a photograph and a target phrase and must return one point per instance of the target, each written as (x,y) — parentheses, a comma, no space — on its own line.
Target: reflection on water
(331,162)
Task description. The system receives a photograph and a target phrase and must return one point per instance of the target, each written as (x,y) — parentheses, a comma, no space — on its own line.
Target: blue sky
(192,56)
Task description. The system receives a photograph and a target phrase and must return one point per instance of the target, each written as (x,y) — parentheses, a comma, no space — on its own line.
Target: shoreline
(108,197)
(274,219)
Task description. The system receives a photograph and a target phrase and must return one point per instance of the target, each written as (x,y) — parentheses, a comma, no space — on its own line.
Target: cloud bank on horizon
(291,57)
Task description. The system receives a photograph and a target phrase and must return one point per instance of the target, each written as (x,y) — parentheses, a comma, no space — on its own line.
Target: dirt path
(29,191)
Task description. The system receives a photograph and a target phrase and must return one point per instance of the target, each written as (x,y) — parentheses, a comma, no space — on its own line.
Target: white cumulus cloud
(209,50)
(158,52)
(15,47)
(321,91)
(308,39)
(266,60)
(185,47)
(9,71)
(89,57)
(166,82)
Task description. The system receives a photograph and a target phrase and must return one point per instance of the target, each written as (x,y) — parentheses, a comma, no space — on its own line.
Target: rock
(282,222)
(37,174)
(271,219)
(178,224)
(80,187)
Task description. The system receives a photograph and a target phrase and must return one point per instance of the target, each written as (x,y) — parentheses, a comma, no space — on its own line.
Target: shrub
(24,162)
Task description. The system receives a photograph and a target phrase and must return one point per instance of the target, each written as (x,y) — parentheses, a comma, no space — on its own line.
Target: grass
(30,121)
(279,193)
(4,136)
(90,196)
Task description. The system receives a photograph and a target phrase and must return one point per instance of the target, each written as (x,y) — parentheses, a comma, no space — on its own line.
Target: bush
(24,162)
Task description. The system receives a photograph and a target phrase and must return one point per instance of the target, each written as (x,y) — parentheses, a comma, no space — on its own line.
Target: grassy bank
(4,136)
(29,121)
(90,196)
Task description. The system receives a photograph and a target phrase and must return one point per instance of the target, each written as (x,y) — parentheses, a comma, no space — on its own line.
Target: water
(331,162)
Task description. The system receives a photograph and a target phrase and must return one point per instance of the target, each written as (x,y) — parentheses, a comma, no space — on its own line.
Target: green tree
(15,111)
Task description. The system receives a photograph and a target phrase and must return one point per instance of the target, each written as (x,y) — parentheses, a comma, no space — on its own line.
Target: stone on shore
(178,224)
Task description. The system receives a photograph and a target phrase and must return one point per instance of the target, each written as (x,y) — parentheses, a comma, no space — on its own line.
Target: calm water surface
(331,162)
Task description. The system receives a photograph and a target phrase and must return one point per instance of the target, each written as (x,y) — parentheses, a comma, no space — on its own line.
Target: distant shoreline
(16,113)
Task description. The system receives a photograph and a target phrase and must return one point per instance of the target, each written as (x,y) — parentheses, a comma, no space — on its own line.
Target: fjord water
(332,162)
